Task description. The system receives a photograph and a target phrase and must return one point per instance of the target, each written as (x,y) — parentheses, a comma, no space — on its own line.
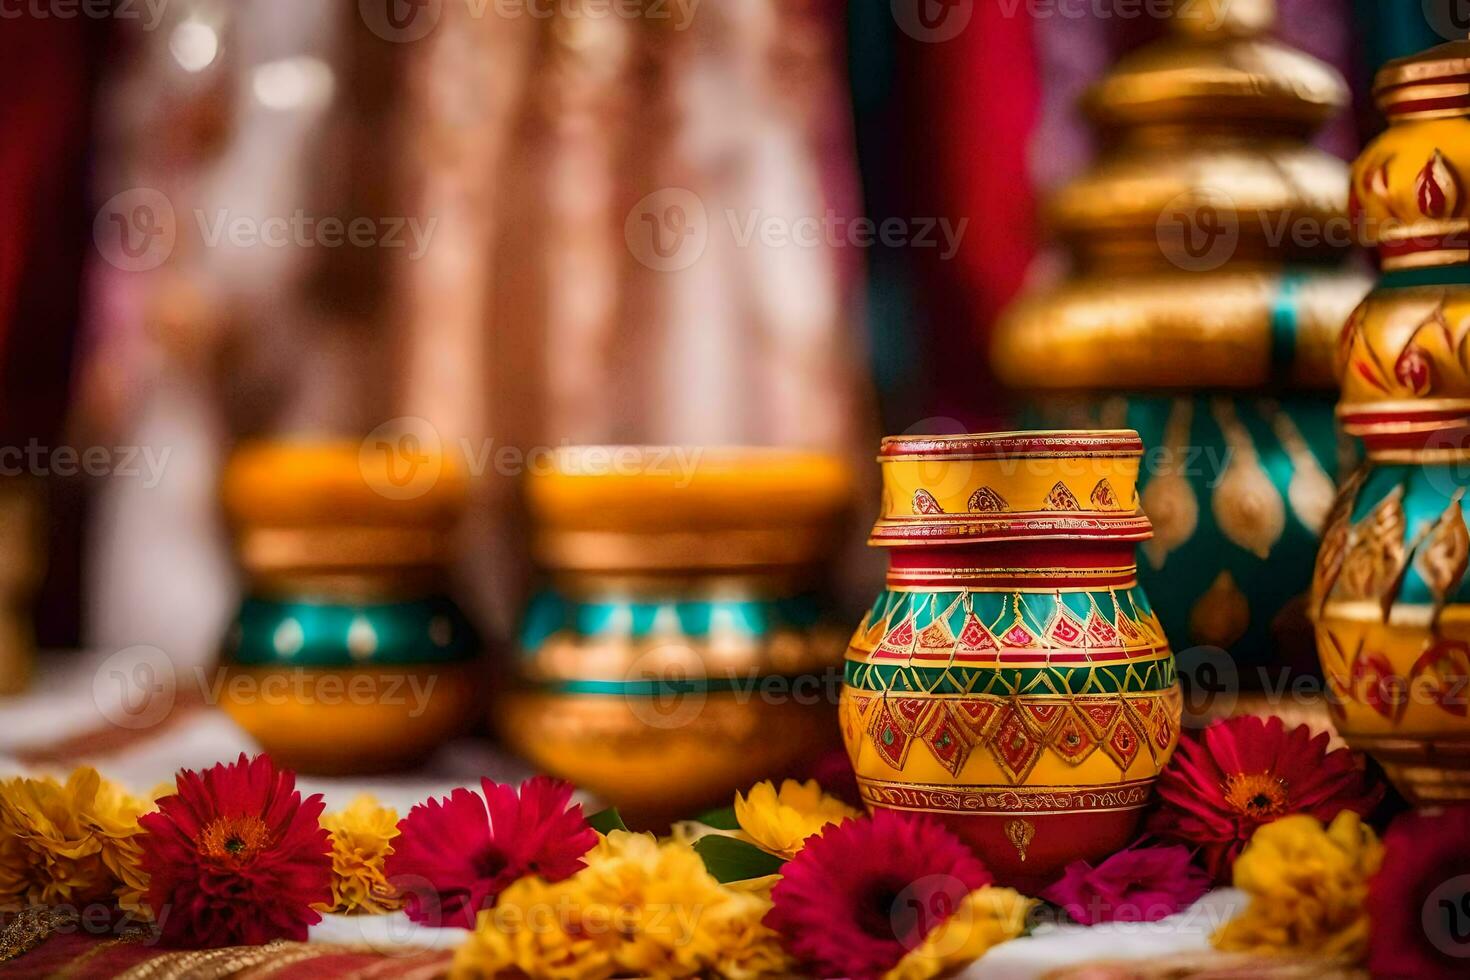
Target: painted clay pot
(1390,598)
(347,654)
(681,645)
(1012,679)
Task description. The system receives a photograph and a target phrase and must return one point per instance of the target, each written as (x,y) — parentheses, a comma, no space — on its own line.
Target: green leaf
(722,819)
(731,859)
(606,821)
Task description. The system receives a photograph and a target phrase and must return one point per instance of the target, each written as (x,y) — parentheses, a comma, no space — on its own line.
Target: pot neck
(1016,565)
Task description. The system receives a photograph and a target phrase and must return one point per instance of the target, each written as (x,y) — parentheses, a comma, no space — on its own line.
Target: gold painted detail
(1247,506)
(1222,615)
(1035,800)
(1169,500)
(1060,498)
(1442,558)
(1103,496)
(1020,833)
(924,503)
(1311,491)
(1373,562)
(987,501)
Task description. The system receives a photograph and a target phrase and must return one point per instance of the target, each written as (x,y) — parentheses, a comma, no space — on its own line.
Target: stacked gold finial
(1208,284)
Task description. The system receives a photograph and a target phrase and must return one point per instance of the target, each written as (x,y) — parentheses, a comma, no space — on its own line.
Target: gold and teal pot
(347,654)
(1391,601)
(681,646)
(1012,679)
(1210,245)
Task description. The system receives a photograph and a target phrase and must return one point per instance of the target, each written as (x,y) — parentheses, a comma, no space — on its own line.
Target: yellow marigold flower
(113,817)
(985,918)
(362,839)
(780,822)
(641,907)
(1308,887)
(740,947)
(67,844)
(536,929)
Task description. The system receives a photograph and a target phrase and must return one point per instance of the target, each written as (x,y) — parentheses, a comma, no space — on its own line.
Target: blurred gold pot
(680,649)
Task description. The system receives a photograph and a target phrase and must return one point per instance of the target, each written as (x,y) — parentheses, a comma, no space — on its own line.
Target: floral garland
(789,878)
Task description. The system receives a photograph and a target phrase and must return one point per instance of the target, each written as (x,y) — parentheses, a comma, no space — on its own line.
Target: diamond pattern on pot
(1072,740)
(1014,746)
(890,741)
(1123,743)
(948,740)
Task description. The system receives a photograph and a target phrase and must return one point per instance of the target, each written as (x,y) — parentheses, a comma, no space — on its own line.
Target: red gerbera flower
(468,856)
(1420,898)
(865,892)
(1139,884)
(1247,771)
(236,857)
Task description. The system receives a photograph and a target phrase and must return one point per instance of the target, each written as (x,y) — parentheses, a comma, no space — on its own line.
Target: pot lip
(1023,444)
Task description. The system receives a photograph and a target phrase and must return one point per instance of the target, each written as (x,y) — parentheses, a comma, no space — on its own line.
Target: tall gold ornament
(1391,602)
(1204,297)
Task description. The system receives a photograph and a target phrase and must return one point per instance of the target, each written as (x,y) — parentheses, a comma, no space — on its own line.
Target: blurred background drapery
(529,151)
(533,151)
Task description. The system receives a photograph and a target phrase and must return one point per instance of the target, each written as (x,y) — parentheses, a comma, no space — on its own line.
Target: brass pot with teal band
(1208,284)
(681,646)
(347,654)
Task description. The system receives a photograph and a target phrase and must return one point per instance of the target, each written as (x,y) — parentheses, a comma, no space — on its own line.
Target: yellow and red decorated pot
(1012,679)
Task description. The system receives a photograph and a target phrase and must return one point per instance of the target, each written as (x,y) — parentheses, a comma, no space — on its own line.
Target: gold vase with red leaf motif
(1390,599)
(1012,679)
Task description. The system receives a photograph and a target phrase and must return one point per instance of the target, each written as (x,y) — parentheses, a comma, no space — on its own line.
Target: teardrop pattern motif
(1414,369)
(1247,506)
(1437,189)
